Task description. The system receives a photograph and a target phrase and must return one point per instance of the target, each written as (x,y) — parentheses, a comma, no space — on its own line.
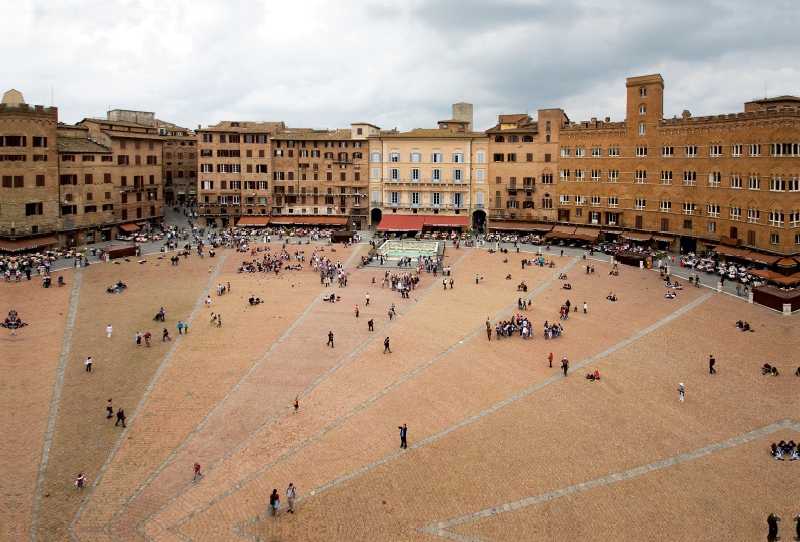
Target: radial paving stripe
(303,394)
(440,528)
(51,423)
(153,382)
(501,404)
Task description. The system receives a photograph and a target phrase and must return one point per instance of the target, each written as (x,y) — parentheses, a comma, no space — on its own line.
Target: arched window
(479,198)
(547,138)
(513,139)
(499,139)
(547,126)
(527,139)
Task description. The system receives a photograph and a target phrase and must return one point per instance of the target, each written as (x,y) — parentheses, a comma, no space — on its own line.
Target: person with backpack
(274,502)
(386,346)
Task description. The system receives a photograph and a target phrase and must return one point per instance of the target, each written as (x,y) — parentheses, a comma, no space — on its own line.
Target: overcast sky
(326,63)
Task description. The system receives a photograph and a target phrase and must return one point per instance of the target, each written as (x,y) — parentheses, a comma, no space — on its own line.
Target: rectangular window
(499,157)
(736,150)
(613,175)
(529,157)
(415,198)
(640,176)
(666,177)
(597,152)
(563,199)
(714,178)
(436,175)
(713,210)
(580,200)
(547,157)
(457,176)
(436,198)
(40,158)
(754,183)
(753,216)
(580,175)
(236,185)
(665,206)
(690,151)
(458,157)
(547,203)
(32,209)
(87,158)
(415,157)
(375,157)
(67,157)
(234,168)
(394,198)
(39,141)
(123,160)
(613,151)
(207,185)
(776,219)
(642,128)
(40,180)
(564,153)
(512,157)
(547,178)
(565,175)
(689,178)
(394,174)
(13,141)
(689,208)
(478,174)
(639,204)
(87,178)
(19,181)
(715,151)
(613,202)
(152,160)
(580,152)
(437,157)
(596,175)
(774,238)
(687,224)
(667,152)
(755,149)
(641,151)
(794,219)
(394,156)
(735,213)
(376,173)
(594,200)
(793,184)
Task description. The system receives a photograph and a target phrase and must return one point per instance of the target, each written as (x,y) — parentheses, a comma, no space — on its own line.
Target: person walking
(681,392)
(219,320)
(138,338)
(180,328)
(165,336)
(147,337)
(390,315)
(88,364)
(403,433)
(274,502)
(291,495)
(477,277)
(444,284)
(120,418)
(356,311)
(697,281)
(80,481)
(109,329)
(772,526)
(370,325)
(109,410)
(330,339)
(564,365)
(585,307)
(197,473)
(711,363)
(451,283)
(367,304)
(386,345)
(489,332)
(550,359)
(186,327)
(296,404)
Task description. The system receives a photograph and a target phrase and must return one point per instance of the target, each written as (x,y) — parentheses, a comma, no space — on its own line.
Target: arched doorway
(479,221)
(169,196)
(375,218)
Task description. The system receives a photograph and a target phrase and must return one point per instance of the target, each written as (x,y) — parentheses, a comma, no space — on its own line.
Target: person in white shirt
(291,494)
(109,329)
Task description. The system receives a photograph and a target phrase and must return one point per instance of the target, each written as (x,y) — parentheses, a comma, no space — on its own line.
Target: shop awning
(22,245)
(637,236)
(732,252)
(129,227)
(560,235)
(563,229)
(281,221)
(760,257)
(613,231)
(437,221)
(401,223)
(663,238)
(333,220)
(788,263)
(253,221)
(587,232)
(511,225)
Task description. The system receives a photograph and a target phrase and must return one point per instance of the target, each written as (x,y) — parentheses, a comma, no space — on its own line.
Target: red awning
(518,226)
(22,245)
(253,221)
(437,221)
(401,223)
(760,257)
(129,227)
(637,236)
(563,229)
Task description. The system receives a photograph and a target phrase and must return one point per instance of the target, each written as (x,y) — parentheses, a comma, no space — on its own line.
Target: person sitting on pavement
(593,376)
(776,452)
(567,286)
(766,369)
(746,327)
(774,371)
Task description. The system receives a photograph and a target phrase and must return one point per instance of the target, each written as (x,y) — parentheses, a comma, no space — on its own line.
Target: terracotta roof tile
(291,134)
(432,133)
(247,127)
(80,146)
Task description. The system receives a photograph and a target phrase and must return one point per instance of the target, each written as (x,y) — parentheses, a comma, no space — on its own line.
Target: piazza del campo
(540,328)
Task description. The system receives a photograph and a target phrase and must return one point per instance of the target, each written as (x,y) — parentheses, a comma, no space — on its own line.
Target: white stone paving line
(160,370)
(440,528)
(503,403)
(77,278)
(374,398)
(322,378)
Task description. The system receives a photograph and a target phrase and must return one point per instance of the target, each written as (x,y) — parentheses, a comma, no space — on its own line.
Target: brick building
(689,182)
(322,174)
(179,163)
(439,174)
(234,170)
(29,198)
(522,154)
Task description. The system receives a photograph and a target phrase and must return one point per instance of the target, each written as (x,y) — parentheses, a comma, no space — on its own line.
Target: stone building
(439,174)
(179,164)
(689,182)
(234,170)
(522,159)
(321,174)
(29,198)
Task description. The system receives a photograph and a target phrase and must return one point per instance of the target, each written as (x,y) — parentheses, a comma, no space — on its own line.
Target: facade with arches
(720,179)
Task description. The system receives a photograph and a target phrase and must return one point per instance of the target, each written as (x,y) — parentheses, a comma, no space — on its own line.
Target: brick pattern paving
(28,367)
(492,428)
